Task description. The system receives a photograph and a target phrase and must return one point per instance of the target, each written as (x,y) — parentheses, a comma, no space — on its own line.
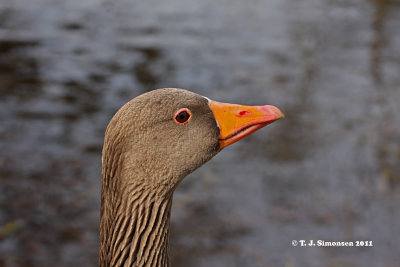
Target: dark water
(329,171)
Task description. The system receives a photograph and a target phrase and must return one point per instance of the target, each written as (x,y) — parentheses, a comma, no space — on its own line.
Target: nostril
(243,112)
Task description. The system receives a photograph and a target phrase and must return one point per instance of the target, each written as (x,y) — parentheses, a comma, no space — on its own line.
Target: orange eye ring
(183,116)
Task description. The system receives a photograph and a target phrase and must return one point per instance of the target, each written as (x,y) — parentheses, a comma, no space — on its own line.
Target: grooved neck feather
(135,232)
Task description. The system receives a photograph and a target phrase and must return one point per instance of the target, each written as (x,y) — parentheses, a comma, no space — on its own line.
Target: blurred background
(329,171)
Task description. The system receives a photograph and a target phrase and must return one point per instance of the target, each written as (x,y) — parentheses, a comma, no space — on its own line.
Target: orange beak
(237,121)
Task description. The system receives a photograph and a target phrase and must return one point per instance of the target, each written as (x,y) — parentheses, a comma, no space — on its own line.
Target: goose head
(151,144)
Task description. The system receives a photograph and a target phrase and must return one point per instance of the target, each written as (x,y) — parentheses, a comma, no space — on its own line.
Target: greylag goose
(150,145)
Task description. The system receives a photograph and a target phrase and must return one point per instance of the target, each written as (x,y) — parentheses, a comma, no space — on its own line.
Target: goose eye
(183,116)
